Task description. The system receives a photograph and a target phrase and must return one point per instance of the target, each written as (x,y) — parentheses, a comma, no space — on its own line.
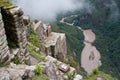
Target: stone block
(25,44)
(3,45)
(1,25)
(2,39)
(5,57)
(5,50)
(26,20)
(2,32)
(0,16)
(4,75)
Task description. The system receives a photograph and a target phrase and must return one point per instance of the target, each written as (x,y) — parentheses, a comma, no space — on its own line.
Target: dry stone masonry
(54,43)
(15,32)
(13,42)
(4,50)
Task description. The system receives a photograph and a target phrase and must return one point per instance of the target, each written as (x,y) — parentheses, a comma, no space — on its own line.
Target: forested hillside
(104,20)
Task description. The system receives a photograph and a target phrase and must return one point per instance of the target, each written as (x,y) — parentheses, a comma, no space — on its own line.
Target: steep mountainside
(104,20)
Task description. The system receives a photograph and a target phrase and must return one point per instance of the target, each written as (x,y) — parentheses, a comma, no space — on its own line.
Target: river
(90,56)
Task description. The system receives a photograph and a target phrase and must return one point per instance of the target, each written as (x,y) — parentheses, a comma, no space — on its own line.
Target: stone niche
(15,32)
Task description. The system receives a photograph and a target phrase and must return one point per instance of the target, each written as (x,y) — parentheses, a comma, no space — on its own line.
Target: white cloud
(47,10)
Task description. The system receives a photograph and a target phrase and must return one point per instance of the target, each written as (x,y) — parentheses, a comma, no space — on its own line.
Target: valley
(90,56)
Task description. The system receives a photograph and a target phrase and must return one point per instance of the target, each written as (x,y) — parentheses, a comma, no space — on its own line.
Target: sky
(48,10)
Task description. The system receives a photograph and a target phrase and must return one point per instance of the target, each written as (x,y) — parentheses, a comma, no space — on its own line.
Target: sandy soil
(88,50)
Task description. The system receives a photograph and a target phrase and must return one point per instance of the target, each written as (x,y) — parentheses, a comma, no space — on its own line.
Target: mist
(48,10)
(114,10)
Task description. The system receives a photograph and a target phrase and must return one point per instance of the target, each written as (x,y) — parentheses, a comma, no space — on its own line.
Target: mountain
(104,20)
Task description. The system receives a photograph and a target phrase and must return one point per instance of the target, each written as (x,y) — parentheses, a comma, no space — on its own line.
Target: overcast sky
(47,10)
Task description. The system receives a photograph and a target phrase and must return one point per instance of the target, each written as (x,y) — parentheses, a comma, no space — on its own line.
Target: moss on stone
(39,56)
(5,3)
(4,64)
(33,38)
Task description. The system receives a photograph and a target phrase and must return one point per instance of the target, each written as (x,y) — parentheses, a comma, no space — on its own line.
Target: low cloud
(47,10)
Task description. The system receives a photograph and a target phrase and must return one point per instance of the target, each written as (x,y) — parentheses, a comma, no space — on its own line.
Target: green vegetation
(107,30)
(39,56)
(34,42)
(4,64)
(99,74)
(16,60)
(72,62)
(70,76)
(5,3)
(95,71)
(39,77)
(33,38)
(38,69)
(74,38)
(11,44)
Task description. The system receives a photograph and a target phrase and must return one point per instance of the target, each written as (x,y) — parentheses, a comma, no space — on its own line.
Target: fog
(114,10)
(47,10)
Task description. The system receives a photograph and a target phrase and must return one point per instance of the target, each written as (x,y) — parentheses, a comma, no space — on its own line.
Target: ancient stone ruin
(54,43)
(12,30)
(4,50)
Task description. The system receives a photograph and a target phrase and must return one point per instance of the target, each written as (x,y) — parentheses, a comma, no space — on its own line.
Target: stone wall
(54,43)
(4,50)
(16,31)
(42,30)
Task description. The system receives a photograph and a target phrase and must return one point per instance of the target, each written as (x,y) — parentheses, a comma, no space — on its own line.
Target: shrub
(70,76)
(33,38)
(95,71)
(37,69)
(11,44)
(16,60)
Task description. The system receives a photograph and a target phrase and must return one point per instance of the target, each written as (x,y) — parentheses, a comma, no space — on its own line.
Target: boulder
(4,75)
(50,71)
(78,77)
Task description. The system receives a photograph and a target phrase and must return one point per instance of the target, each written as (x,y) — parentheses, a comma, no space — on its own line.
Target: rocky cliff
(15,29)
(54,43)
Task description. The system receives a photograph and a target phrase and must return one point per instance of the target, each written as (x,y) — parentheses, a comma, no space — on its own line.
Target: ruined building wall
(42,30)
(4,50)
(54,43)
(16,31)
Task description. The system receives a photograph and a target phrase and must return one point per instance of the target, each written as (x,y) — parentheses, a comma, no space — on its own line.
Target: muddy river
(90,56)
